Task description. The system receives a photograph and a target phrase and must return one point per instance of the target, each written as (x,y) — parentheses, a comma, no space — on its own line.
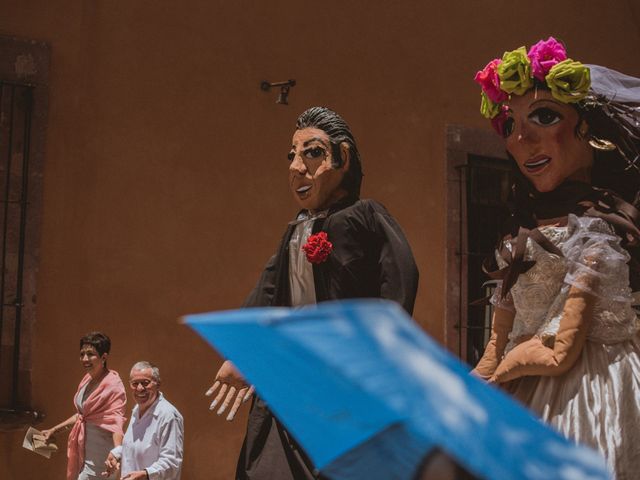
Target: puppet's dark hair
(617,124)
(338,131)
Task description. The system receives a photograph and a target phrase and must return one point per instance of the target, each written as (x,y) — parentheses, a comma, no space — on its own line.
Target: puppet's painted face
(314,181)
(541,135)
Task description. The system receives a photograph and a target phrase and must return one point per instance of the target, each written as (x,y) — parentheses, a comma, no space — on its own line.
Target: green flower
(488,109)
(569,81)
(515,72)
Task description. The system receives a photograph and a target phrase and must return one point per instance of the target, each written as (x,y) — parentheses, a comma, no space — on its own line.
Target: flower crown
(517,71)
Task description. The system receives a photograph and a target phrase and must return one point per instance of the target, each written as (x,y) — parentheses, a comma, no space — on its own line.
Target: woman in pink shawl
(97,425)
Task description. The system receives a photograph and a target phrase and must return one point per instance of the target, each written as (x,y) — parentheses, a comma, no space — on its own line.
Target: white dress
(597,402)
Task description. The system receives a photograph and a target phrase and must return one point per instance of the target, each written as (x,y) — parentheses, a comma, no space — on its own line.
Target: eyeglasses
(142,383)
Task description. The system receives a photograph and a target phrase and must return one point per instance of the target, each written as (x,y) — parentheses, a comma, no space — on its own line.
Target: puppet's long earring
(602,144)
(597,143)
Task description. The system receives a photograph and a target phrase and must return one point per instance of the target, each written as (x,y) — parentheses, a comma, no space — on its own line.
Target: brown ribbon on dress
(571,197)
(516,264)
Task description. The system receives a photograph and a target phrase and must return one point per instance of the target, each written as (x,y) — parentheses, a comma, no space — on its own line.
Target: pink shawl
(105,408)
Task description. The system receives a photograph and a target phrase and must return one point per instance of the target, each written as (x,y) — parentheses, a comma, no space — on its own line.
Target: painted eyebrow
(546,100)
(308,142)
(314,139)
(534,105)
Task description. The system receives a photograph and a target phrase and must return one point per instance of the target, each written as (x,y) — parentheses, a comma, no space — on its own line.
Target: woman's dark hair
(97,340)
(338,131)
(613,169)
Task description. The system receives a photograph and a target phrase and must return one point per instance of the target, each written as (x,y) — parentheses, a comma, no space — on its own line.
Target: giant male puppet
(337,247)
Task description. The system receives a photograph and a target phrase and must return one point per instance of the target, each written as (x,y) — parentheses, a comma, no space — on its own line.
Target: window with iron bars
(487,182)
(15,119)
(23,105)
(479,179)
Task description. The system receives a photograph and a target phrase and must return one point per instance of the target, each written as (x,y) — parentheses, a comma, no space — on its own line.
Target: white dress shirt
(153,442)
(301,283)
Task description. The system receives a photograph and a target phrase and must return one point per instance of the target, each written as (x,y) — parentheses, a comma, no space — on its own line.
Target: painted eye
(545,116)
(291,156)
(507,127)
(315,152)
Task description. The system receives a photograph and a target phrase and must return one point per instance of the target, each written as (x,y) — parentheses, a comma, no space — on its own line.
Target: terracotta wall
(165,173)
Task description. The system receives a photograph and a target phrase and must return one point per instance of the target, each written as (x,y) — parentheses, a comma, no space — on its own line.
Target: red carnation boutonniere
(318,248)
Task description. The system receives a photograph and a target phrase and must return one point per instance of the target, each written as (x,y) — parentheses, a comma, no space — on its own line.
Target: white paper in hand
(34,441)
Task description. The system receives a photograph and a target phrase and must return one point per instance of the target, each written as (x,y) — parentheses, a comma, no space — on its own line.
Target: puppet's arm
(500,327)
(532,357)
(398,274)
(597,264)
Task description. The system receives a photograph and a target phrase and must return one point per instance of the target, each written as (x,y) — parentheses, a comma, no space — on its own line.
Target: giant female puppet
(337,247)
(565,334)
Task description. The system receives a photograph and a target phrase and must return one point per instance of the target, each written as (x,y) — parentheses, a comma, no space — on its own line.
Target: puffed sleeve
(596,261)
(598,264)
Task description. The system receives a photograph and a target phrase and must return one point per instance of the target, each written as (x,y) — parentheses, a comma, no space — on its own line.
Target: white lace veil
(615,86)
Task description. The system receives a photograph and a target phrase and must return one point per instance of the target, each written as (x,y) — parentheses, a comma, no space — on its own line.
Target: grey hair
(143,364)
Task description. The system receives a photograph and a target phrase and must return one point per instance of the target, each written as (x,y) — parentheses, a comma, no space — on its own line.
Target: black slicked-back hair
(338,131)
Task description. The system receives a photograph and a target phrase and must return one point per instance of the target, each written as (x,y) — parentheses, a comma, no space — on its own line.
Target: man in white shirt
(153,443)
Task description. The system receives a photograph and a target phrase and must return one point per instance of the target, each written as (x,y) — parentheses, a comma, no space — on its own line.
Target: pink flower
(488,79)
(497,122)
(544,55)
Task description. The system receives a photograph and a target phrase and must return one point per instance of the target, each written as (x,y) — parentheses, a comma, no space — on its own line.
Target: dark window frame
(24,66)
(463,145)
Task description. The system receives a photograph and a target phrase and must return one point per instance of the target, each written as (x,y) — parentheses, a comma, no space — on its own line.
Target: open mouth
(536,164)
(303,189)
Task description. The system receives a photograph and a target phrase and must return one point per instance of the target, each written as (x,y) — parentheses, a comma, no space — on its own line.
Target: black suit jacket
(370,258)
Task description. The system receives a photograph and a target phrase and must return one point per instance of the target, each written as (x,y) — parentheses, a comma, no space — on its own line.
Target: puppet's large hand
(500,327)
(529,357)
(231,383)
(533,357)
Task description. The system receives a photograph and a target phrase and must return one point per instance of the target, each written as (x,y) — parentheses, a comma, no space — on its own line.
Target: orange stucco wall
(165,173)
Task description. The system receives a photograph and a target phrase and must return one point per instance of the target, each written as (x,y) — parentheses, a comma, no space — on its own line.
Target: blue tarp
(368,395)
